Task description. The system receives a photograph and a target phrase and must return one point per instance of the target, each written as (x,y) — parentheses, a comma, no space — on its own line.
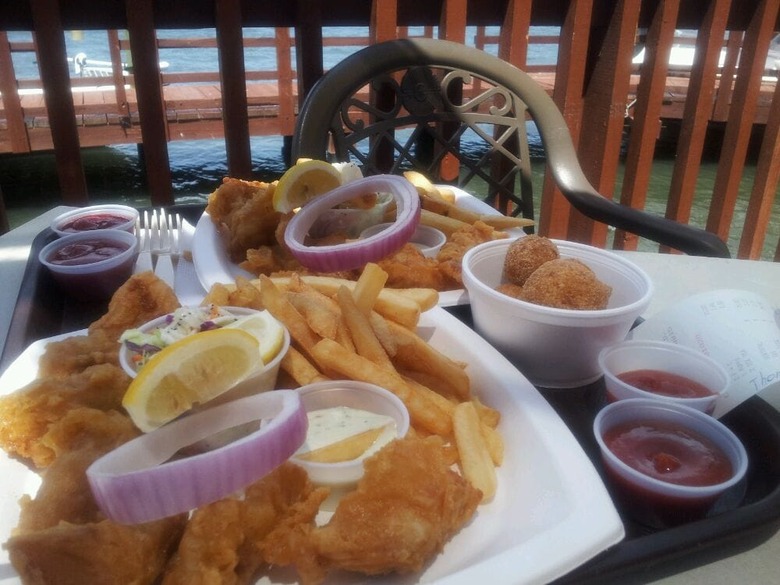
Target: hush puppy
(525,255)
(566,283)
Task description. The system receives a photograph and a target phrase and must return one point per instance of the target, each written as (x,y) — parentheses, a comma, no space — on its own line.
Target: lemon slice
(191,371)
(302,182)
(266,329)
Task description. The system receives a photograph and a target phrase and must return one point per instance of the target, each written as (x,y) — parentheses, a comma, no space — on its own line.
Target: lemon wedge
(303,181)
(191,371)
(266,329)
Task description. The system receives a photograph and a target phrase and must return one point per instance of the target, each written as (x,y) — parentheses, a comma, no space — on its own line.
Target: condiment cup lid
(131,213)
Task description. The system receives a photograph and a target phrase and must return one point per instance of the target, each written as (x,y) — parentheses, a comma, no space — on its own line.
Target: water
(29,182)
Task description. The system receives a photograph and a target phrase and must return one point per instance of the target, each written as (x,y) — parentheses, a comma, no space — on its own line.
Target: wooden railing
(595,80)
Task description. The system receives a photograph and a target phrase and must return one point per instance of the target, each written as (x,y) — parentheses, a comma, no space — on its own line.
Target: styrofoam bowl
(554,348)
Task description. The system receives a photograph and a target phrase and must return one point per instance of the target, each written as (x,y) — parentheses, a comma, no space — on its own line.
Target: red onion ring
(136,483)
(351,255)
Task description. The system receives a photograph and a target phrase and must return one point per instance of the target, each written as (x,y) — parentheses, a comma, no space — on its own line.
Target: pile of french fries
(360,330)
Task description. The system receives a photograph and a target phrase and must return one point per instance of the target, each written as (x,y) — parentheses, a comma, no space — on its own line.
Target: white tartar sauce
(330,425)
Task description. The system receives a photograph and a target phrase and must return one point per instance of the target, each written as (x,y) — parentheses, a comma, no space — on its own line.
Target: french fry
(505,222)
(346,449)
(475,460)
(279,306)
(415,354)
(355,367)
(390,303)
(383,333)
(371,282)
(489,416)
(446,224)
(323,319)
(366,342)
(495,444)
(300,369)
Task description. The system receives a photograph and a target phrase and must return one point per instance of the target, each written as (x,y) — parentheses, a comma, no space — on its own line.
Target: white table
(676,277)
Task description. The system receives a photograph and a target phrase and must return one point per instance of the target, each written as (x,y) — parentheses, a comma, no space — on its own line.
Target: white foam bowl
(554,348)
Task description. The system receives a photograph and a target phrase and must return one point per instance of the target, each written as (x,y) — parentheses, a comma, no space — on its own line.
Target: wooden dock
(194,111)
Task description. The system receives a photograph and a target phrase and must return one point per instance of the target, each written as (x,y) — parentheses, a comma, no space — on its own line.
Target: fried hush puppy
(525,255)
(534,272)
(566,283)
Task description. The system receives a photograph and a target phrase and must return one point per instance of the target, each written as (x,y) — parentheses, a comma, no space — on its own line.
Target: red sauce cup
(86,271)
(667,371)
(95,217)
(669,464)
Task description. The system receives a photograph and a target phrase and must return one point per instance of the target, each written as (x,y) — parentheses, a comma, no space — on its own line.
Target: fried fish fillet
(406,507)
(450,256)
(98,553)
(25,415)
(142,298)
(244,214)
(219,544)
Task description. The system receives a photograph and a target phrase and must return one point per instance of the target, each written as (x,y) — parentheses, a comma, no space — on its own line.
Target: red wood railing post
(645,125)
(555,211)
(232,81)
(151,106)
(605,104)
(740,122)
(697,110)
(55,76)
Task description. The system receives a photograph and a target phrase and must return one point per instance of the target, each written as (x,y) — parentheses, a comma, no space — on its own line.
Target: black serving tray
(642,556)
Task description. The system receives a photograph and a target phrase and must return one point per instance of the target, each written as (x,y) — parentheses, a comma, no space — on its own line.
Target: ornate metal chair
(461,116)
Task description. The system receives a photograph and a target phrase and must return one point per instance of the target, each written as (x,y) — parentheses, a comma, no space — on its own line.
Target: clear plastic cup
(353,394)
(428,239)
(94,277)
(666,358)
(652,501)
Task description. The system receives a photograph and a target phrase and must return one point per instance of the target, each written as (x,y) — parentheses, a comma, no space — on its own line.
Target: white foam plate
(212,264)
(551,512)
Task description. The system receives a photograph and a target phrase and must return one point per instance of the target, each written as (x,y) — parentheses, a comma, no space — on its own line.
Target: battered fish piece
(566,283)
(220,543)
(406,507)
(142,298)
(450,257)
(75,354)
(244,214)
(525,255)
(99,553)
(408,268)
(26,415)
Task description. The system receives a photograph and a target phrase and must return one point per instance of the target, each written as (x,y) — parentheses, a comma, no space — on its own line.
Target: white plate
(212,264)
(551,512)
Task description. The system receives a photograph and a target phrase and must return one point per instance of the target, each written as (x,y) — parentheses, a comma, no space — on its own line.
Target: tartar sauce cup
(356,395)
(703,462)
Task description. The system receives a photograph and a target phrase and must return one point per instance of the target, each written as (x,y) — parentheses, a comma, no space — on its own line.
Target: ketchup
(665,384)
(94,221)
(669,452)
(87,252)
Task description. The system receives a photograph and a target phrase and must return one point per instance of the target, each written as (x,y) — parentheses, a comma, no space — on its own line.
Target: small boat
(84,67)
